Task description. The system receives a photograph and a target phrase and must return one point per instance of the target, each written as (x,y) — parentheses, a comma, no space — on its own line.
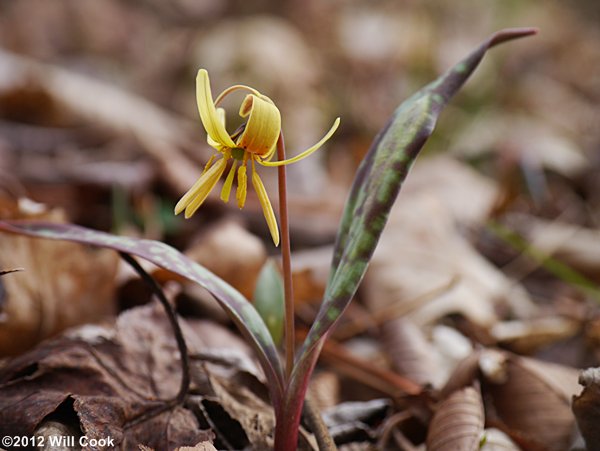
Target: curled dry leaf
(355,421)
(534,400)
(409,351)
(525,337)
(458,422)
(496,440)
(464,374)
(253,412)
(108,381)
(586,407)
(64,284)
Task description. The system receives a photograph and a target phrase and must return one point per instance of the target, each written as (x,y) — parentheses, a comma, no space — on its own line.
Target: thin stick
(286,262)
(170,310)
(317,426)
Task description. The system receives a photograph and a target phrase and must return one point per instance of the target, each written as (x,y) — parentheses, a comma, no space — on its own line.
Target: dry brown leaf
(496,440)
(409,351)
(350,422)
(467,195)
(232,253)
(417,254)
(162,134)
(531,141)
(110,376)
(571,244)
(534,401)
(458,422)
(363,370)
(309,274)
(464,374)
(203,446)
(104,379)
(324,389)
(357,446)
(64,284)
(254,413)
(525,337)
(586,407)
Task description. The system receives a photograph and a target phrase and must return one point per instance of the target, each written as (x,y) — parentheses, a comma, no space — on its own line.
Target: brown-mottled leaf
(375,188)
(239,309)
(380,176)
(458,422)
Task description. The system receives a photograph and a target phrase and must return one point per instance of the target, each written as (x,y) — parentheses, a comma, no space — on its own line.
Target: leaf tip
(509,34)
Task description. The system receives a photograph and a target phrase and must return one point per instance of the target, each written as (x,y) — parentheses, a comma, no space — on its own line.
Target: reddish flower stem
(286,262)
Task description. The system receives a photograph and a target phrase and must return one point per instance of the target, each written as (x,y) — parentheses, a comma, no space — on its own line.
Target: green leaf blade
(269,299)
(378,182)
(233,302)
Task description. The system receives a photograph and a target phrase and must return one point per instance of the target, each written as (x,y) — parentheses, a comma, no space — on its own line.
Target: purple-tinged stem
(286,262)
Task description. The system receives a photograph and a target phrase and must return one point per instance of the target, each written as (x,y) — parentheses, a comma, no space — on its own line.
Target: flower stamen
(226,191)
(240,193)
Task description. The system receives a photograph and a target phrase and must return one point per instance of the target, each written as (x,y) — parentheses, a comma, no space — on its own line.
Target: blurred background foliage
(318,60)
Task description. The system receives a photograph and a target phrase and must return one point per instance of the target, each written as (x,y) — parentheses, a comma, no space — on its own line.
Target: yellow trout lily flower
(253,142)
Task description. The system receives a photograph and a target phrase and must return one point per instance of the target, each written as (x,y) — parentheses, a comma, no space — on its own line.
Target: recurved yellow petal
(265,203)
(308,151)
(263,126)
(189,195)
(208,113)
(211,142)
(192,200)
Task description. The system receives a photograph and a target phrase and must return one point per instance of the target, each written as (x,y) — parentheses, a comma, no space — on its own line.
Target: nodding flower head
(253,142)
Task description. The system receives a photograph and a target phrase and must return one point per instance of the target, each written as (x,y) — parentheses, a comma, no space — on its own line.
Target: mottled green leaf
(269,299)
(373,193)
(234,303)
